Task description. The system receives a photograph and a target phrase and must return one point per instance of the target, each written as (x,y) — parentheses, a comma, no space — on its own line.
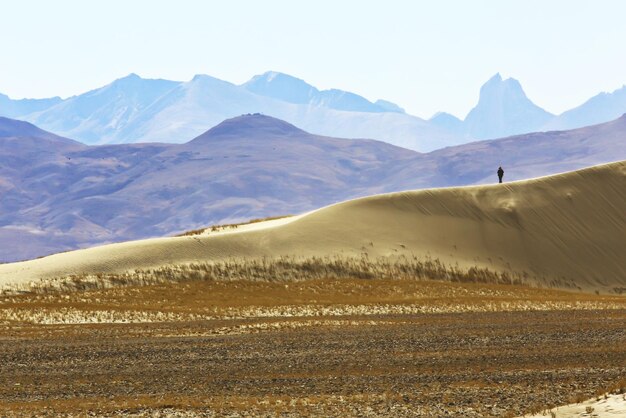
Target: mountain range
(58,194)
(137,110)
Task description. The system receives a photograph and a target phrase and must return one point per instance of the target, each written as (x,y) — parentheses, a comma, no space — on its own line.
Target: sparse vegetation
(222,227)
(305,337)
(209,299)
(283,269)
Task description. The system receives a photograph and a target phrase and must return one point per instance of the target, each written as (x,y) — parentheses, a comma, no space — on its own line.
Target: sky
(426,56)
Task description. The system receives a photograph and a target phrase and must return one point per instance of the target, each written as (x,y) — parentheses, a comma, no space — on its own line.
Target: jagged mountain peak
(497,77)
(504,109)
(497,86)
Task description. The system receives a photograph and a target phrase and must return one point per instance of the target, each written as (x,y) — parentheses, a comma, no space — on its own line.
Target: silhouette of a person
(500,174)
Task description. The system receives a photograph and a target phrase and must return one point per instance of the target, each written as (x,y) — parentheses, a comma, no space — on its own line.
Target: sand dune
(566,230)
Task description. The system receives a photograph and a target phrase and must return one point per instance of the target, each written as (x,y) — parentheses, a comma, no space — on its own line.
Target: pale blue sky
(426,56)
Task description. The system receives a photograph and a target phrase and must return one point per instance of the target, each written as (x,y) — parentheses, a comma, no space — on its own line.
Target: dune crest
(567,230)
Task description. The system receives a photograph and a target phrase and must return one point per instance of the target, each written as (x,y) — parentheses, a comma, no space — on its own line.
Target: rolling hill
(59,195)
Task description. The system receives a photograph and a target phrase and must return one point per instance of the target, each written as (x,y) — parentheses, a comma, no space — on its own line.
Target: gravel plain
(487,364)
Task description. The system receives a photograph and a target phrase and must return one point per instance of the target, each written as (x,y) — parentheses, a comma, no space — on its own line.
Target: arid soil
(320,347)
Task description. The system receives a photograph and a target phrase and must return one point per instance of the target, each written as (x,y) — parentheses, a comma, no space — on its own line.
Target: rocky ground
(462,364)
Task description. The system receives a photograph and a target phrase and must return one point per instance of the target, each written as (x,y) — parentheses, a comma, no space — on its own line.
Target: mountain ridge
(294,90)
(600,108)
(60,195)
(132,109)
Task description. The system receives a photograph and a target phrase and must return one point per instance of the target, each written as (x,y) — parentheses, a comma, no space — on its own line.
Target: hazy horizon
(400,52)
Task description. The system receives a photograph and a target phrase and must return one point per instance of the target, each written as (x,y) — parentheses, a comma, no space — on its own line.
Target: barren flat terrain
(320,347)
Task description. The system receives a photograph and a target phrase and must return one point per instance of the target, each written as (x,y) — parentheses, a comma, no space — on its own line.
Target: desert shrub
(283,269)
(214,228)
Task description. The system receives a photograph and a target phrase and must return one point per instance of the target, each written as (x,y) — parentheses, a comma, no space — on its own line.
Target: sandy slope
(613,406)
(567,229)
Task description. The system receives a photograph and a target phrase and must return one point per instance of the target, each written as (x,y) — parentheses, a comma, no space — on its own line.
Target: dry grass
(215,228)
(176,301)
(284,288)
(284,269)
(305,337)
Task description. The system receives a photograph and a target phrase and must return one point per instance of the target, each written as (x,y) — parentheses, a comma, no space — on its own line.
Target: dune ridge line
(565,230)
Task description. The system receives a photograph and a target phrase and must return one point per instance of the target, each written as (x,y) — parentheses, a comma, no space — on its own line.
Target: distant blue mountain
(293,90)
(503,109)
(137,110)
(282,86)
(18,108)
(99,115)
(132,110)
(448,122)
(389,106)
(598,109)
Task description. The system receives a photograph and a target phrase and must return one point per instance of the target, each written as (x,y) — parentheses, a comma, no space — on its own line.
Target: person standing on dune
(500,174)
